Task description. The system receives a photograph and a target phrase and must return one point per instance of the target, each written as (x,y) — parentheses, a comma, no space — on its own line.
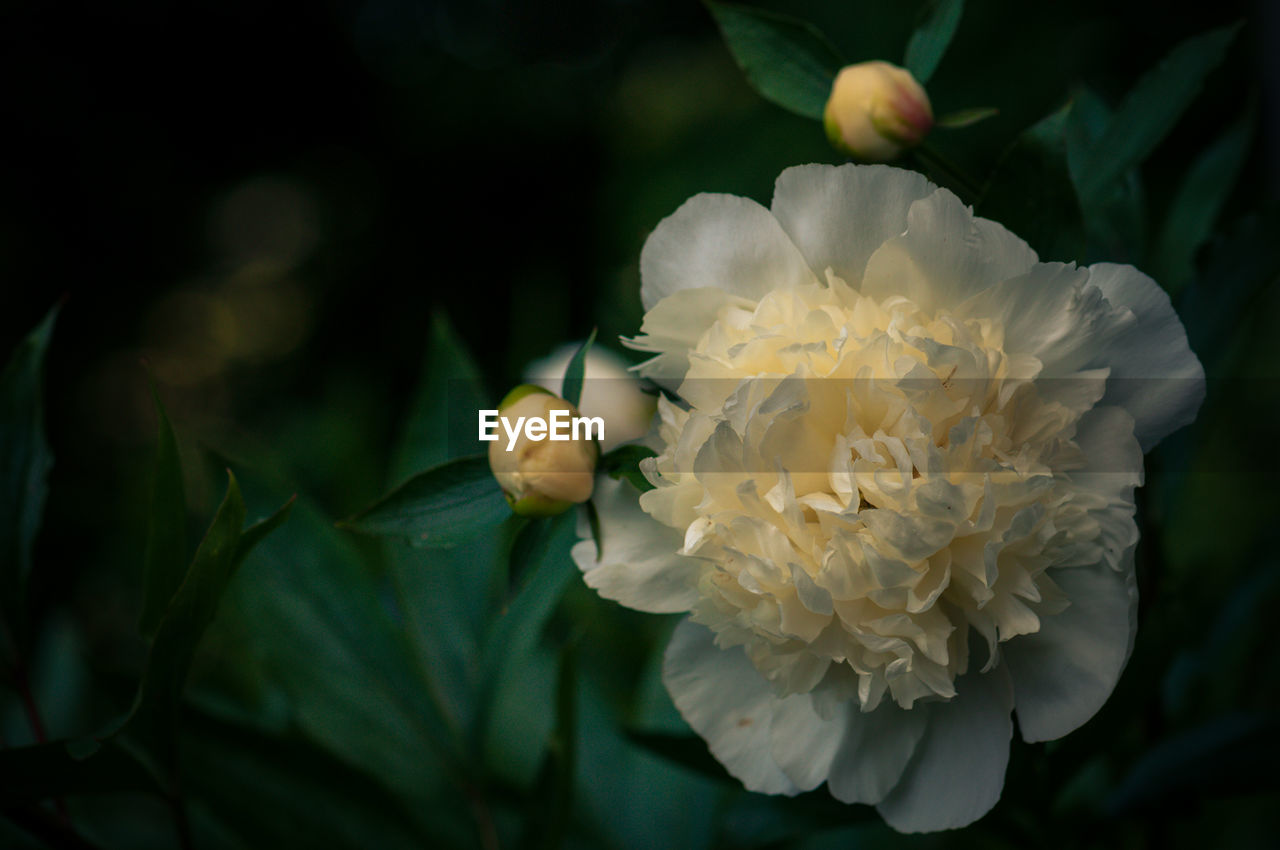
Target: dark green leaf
(256,533)
(788,61)
(541,563)
(929,42)
(165,558)
(25,459)
(593,522)
(440,507)
(966,117)
(554,794)
(1031,192)
(575,371)
(1232,754)
(1150,110)
(323,642)
(283,791)
(1199,200)
(154,721)
(1115,220)
(624,462)
(62,768)
(1237,270)
(441,421)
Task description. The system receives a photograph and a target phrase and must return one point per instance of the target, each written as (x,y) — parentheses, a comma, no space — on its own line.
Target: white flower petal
(874,751)
(946,255)
(1064,673)
(723,241)
(801,741)
(726,701)
(958,770)
(1154,374)
(839,215)
(639,568)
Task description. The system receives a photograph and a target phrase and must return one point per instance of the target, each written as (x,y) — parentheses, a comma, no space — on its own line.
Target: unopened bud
(543,470)
(876,110)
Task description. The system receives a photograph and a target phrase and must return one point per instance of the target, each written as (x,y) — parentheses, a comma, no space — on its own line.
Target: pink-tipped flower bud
(876,110)
(544,462)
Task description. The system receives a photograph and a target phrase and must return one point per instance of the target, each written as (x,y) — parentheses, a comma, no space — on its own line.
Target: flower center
(863,483)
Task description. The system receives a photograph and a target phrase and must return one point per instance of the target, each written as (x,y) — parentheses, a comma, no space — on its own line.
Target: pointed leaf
(440,507)
(25,460)
(575,371)
(540,559)
(788,61)
(154,721)
(165,557)
(966,117)
(441,421)
(1031,191)
(1199,200)
(1150,110)
(929,42)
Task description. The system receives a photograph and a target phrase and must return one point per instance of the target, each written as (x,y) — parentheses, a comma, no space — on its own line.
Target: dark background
(269,204)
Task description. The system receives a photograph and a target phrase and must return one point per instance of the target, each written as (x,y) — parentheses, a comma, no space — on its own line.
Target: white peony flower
(896,494)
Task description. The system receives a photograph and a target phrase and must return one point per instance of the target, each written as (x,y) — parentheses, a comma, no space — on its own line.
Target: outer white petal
(639,568)
(723,241)
(1154,374)
(958,770)
(839,215)
(947,255)
(726,701)
(1064,673)
(875,750)
(802,742)
(1051,313)
(674,326)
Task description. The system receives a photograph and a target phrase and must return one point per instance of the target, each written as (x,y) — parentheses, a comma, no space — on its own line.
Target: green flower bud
(541,476)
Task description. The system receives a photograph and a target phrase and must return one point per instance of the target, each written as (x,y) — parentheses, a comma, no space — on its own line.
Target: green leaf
(553,799)
(929,42)
(575,371)
(1114,221)
(1237,270)
(1199,201)
(165,557)
(280,790)
(1150,111)
(624,462)
(1031,192)
(966,117)
(441,421)
(541,563)
(440,507)
(788,61)
(154,720)
(25,460)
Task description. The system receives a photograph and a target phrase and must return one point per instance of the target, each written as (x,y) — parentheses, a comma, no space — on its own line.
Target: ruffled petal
(874,751)
(726,701)
(946,255)
(1154,374)
(1063,673)
(723,241)
(839,215)
(639,567)
(674,326)
(958,770)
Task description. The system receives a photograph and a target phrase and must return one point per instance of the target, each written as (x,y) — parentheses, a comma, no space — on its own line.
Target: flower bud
(541,477)
(875,111)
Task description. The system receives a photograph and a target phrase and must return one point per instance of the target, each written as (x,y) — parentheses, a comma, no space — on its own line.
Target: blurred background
(283,210)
